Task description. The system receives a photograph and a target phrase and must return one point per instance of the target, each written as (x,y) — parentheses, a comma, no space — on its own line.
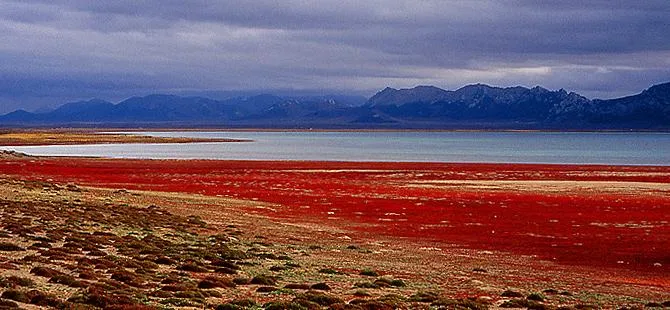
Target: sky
(56,51)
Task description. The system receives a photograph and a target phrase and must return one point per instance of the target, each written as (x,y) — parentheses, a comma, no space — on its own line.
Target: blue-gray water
(499,147)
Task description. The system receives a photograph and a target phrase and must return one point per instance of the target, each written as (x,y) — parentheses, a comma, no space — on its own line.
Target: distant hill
(476,106)
(170,110)
(520,107)
(476,102)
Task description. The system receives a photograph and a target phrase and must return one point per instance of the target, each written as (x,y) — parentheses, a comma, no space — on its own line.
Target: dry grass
(71,138)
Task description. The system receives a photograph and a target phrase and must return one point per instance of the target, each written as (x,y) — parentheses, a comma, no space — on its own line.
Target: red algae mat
(595,216)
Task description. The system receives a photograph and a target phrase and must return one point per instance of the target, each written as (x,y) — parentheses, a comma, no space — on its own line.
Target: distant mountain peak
(424,106)
(397,97)
(86,104)
(427,88)
(476,86)
(659,90)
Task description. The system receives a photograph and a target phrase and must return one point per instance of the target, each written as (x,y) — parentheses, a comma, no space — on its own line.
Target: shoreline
(84,137)
(414,164)
(265,129)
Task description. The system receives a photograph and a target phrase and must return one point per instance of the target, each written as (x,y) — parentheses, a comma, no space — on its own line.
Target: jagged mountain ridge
(475,102)
(651,108)
(472,106)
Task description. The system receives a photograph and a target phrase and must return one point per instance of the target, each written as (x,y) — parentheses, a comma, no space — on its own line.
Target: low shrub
(190,295)
(535,297)
(383,282)
(241,281)
(192,267)
(224,263)
(66,280)
(225,270)
(16,296)
(318,298)
(279,268)
(366,285)
(266,289)
(369,273)
(46,300)
(320,286)
(328,271)
(20,281)
(424,297)
(45,272)
(214,282)
(127,278)
(164,260)
(246,303)
(264,280)
(211,293)
(297,286)
(361,293)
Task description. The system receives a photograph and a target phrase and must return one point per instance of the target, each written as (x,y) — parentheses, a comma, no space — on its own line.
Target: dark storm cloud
(82,48)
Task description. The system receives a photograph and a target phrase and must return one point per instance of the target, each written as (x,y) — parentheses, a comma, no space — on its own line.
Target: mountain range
(475,106)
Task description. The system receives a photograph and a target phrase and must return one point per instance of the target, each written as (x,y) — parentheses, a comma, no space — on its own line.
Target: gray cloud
(79,49)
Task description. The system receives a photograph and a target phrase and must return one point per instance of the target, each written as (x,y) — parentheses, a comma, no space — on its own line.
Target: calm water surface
(498,147)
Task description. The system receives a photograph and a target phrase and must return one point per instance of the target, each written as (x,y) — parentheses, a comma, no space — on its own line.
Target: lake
(491,147)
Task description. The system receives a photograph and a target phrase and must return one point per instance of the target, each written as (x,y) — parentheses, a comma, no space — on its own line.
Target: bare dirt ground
(80,233)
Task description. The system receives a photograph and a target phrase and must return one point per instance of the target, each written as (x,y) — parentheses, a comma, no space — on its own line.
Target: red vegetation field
(605,216)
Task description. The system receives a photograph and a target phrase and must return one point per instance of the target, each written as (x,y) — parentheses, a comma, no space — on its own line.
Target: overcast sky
(61,50)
